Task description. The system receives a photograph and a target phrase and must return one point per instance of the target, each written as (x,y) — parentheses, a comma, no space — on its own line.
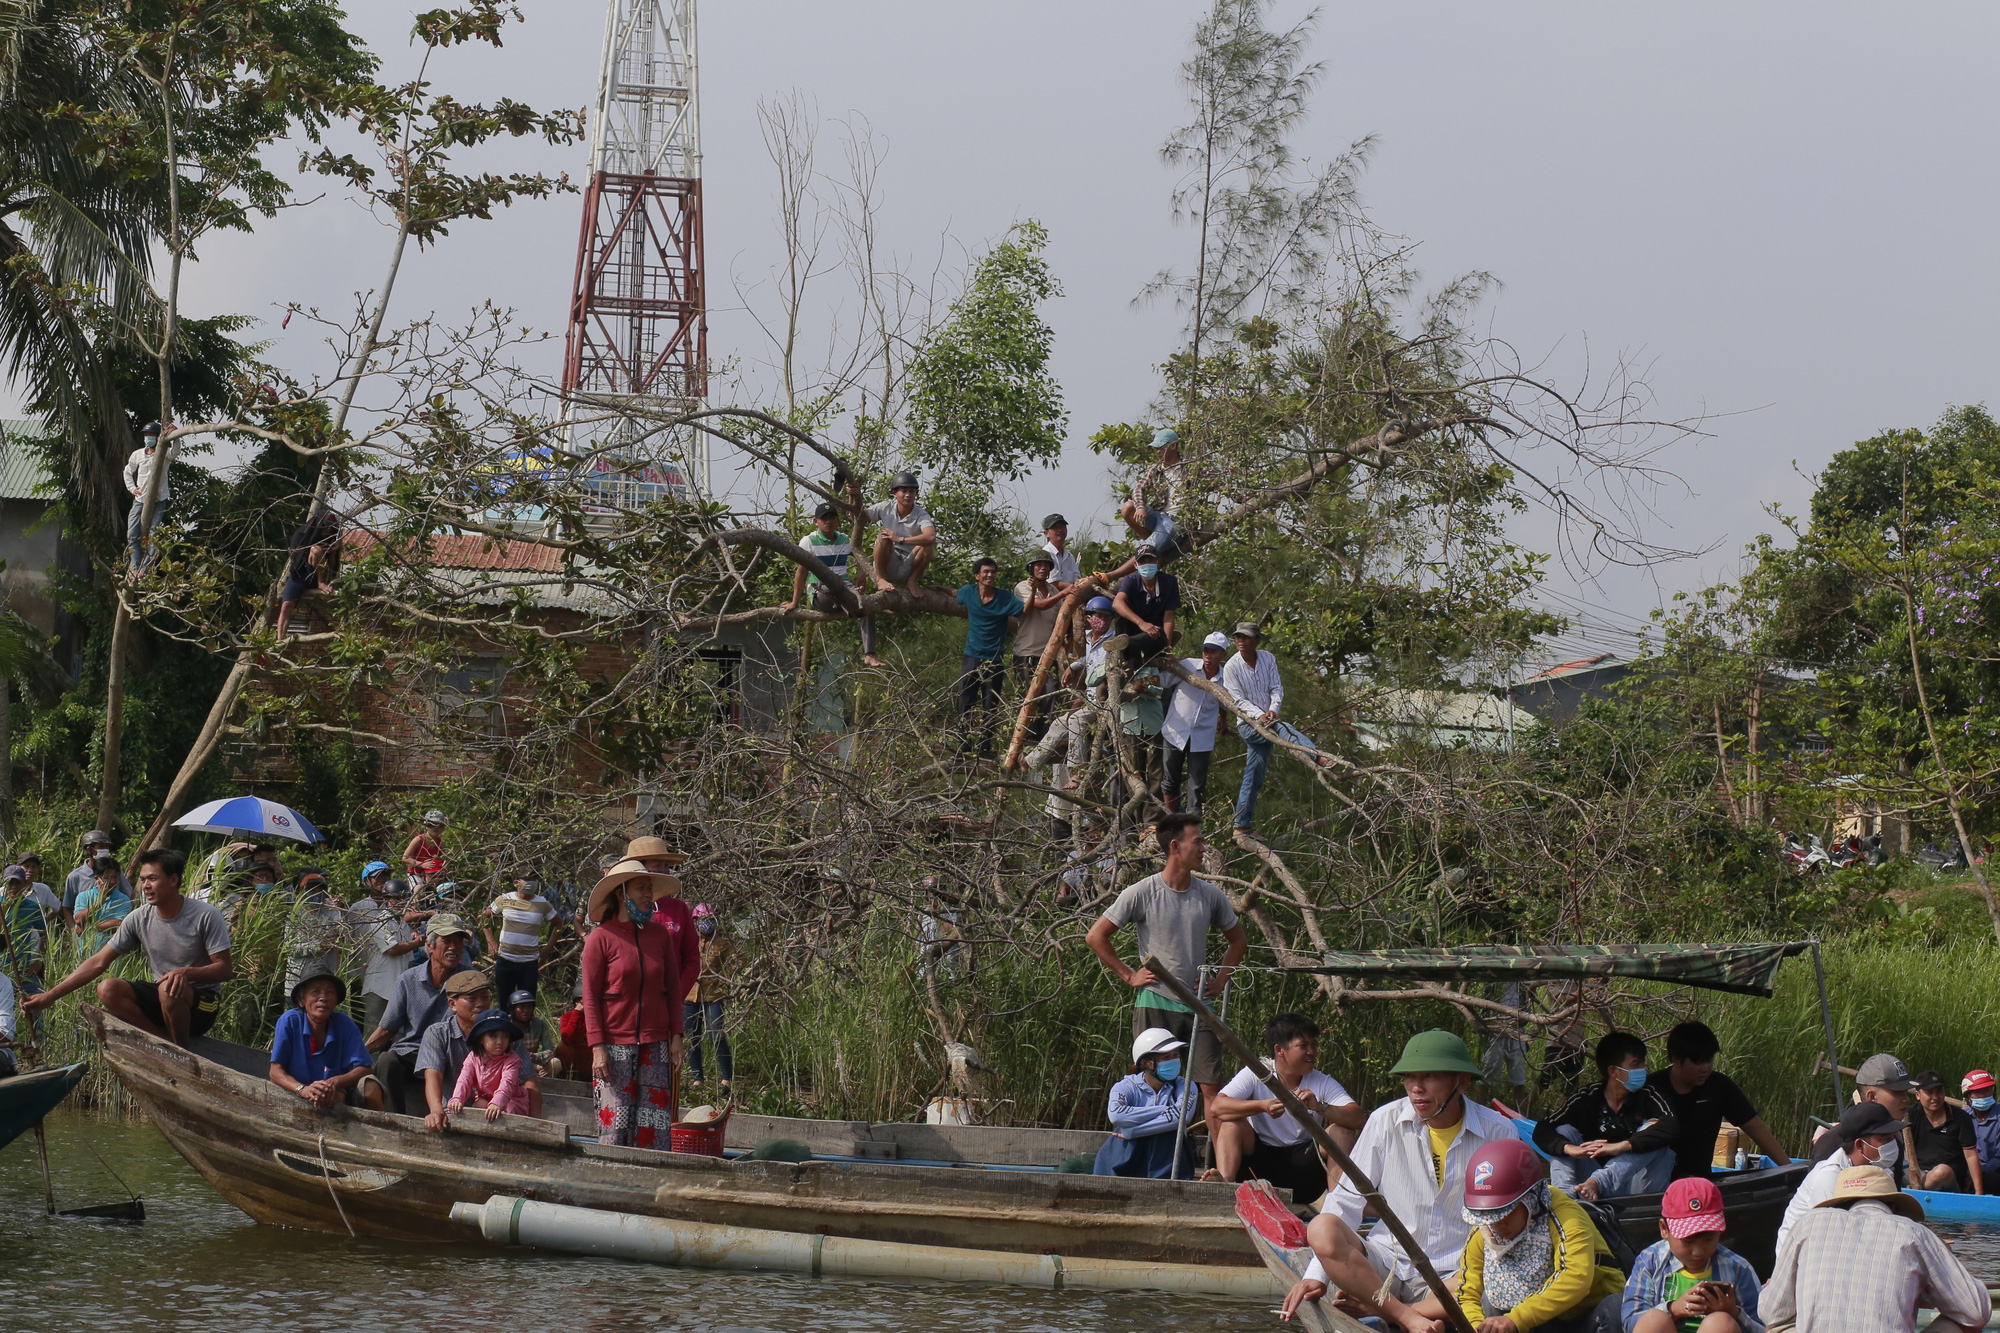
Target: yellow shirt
(1441,1141)
(1584,1272)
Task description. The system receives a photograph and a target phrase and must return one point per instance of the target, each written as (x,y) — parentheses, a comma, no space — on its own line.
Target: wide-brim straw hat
(617,878)
(653,847)
(1871,1182)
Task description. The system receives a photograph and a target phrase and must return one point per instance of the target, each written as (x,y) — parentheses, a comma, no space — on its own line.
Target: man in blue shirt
(1979,1104)
(317,1050)
(1145,1112)
(989,611)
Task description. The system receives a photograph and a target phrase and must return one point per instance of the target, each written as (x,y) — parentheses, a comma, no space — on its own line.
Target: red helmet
(1500,1173)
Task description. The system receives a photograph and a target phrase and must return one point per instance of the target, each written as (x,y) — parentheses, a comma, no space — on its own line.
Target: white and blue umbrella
(250,814)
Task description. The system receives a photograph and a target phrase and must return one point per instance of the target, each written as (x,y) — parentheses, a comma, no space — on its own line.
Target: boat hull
(26,1098)
(285,1163)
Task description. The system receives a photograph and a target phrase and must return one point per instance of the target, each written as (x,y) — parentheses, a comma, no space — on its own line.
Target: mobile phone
(1727,1289)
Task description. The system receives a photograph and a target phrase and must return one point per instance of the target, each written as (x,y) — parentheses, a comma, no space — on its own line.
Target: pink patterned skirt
(635,1106)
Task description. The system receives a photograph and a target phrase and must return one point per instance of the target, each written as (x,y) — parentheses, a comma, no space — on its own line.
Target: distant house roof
(496,570)
(455,550)
(1439,717)
(1581,666)
(22,476)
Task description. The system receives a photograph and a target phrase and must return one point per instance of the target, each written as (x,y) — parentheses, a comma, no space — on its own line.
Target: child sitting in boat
(491,1075)
(1533,1259)
(1688,1280)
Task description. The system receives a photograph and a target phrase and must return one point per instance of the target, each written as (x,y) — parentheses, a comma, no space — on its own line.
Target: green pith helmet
(1435,1052)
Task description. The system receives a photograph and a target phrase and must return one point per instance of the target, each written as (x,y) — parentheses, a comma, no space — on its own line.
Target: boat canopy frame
(1736,969)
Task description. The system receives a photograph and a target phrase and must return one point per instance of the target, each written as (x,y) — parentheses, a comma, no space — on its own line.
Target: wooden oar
(1453,1314)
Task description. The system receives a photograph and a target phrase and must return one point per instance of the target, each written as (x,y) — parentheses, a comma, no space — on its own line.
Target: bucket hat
(493,1020)
(1435,1052)
(339,984)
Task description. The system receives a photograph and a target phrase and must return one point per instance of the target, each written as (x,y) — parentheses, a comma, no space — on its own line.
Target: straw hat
(617,878)
(1871,1182)
(650,847)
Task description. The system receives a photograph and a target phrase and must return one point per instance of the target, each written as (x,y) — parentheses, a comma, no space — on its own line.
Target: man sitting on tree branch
(908,539)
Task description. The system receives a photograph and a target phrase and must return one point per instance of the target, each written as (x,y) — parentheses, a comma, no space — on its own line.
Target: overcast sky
(1784,213)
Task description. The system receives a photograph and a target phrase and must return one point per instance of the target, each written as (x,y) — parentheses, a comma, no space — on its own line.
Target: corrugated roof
(1439,717)
(22,476)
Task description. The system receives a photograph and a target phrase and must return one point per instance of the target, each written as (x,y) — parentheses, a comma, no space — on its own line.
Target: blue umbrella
(250,814)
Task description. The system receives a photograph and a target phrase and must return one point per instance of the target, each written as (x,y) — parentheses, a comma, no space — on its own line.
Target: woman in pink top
(491,1074)
(636,966)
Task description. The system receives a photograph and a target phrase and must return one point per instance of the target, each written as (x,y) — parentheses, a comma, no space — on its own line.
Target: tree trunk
(6,759)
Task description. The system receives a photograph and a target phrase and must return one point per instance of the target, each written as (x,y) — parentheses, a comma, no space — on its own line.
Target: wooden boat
(26,1098)
(283,1162)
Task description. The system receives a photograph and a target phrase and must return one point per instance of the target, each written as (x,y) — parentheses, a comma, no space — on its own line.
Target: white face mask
(1887,1155)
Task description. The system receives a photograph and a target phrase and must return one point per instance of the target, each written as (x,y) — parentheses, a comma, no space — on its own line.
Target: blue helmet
(374,868)
(1099,604)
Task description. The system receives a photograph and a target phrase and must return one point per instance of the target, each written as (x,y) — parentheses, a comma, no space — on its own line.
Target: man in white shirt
(1065,573)
(1415,1150)
(1256,1136)
(138,475)
(385,943)
(1251,677)
(1188,733)
(908,539)
(1869,1136)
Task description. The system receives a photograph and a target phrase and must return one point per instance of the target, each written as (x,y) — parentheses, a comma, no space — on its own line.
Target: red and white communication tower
(638,316)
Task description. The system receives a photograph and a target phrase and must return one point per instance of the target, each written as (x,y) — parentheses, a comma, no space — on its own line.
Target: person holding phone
(1688,1281)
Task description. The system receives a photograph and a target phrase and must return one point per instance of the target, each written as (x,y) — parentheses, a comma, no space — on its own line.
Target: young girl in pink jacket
(491,1075)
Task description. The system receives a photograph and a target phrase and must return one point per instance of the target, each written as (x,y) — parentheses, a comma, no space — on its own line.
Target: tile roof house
(1555,695)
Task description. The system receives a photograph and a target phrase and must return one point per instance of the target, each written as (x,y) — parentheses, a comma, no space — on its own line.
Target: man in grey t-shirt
(1172,913)
(908,539)
(186,944)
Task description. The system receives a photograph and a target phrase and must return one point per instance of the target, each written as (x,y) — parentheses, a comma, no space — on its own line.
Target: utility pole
(638,316)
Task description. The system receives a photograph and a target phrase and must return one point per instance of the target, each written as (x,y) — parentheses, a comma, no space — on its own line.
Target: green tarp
(1744,969)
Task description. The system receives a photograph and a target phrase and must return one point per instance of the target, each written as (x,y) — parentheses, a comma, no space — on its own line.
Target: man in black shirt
(1616,1138)
(1702,1099)
(1947,1144)
(1147,601)
(312,565)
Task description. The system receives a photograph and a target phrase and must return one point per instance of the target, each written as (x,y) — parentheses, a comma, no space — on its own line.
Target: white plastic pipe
(507,1220)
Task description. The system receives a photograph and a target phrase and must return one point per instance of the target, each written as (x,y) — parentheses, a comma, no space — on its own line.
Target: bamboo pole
(1454,1316)
(1050,651)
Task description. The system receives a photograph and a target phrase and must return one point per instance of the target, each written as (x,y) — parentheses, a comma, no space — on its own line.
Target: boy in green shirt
(831,547)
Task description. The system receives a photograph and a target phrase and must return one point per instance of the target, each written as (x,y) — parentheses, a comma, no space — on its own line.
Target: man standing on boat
(1173,912)
(419,1002)
(1416,1150)
(1702,1099)
(187,947)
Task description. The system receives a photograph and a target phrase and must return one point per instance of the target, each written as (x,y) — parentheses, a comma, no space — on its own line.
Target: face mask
(1168,1070)
(641,912)
(1982,1103)
(1887,1155)
(1149,571)
(1635,1079)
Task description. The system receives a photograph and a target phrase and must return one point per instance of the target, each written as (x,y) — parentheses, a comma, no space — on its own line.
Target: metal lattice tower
(638,318)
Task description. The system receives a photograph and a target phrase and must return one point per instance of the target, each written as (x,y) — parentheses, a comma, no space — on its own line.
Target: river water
(198,1263)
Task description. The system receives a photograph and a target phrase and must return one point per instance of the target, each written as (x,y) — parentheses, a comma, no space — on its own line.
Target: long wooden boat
(283,1162)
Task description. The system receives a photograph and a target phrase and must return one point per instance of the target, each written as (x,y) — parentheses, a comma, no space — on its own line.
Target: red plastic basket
(702,1140)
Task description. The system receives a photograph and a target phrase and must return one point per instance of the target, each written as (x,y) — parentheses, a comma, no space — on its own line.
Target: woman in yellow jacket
(1534,1259)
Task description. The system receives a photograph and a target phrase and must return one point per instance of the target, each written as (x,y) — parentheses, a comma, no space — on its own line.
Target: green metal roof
(22,476)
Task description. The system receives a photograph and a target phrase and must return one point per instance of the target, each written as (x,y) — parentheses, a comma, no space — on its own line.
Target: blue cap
(1099,604)
(373,868)
(1165,436)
